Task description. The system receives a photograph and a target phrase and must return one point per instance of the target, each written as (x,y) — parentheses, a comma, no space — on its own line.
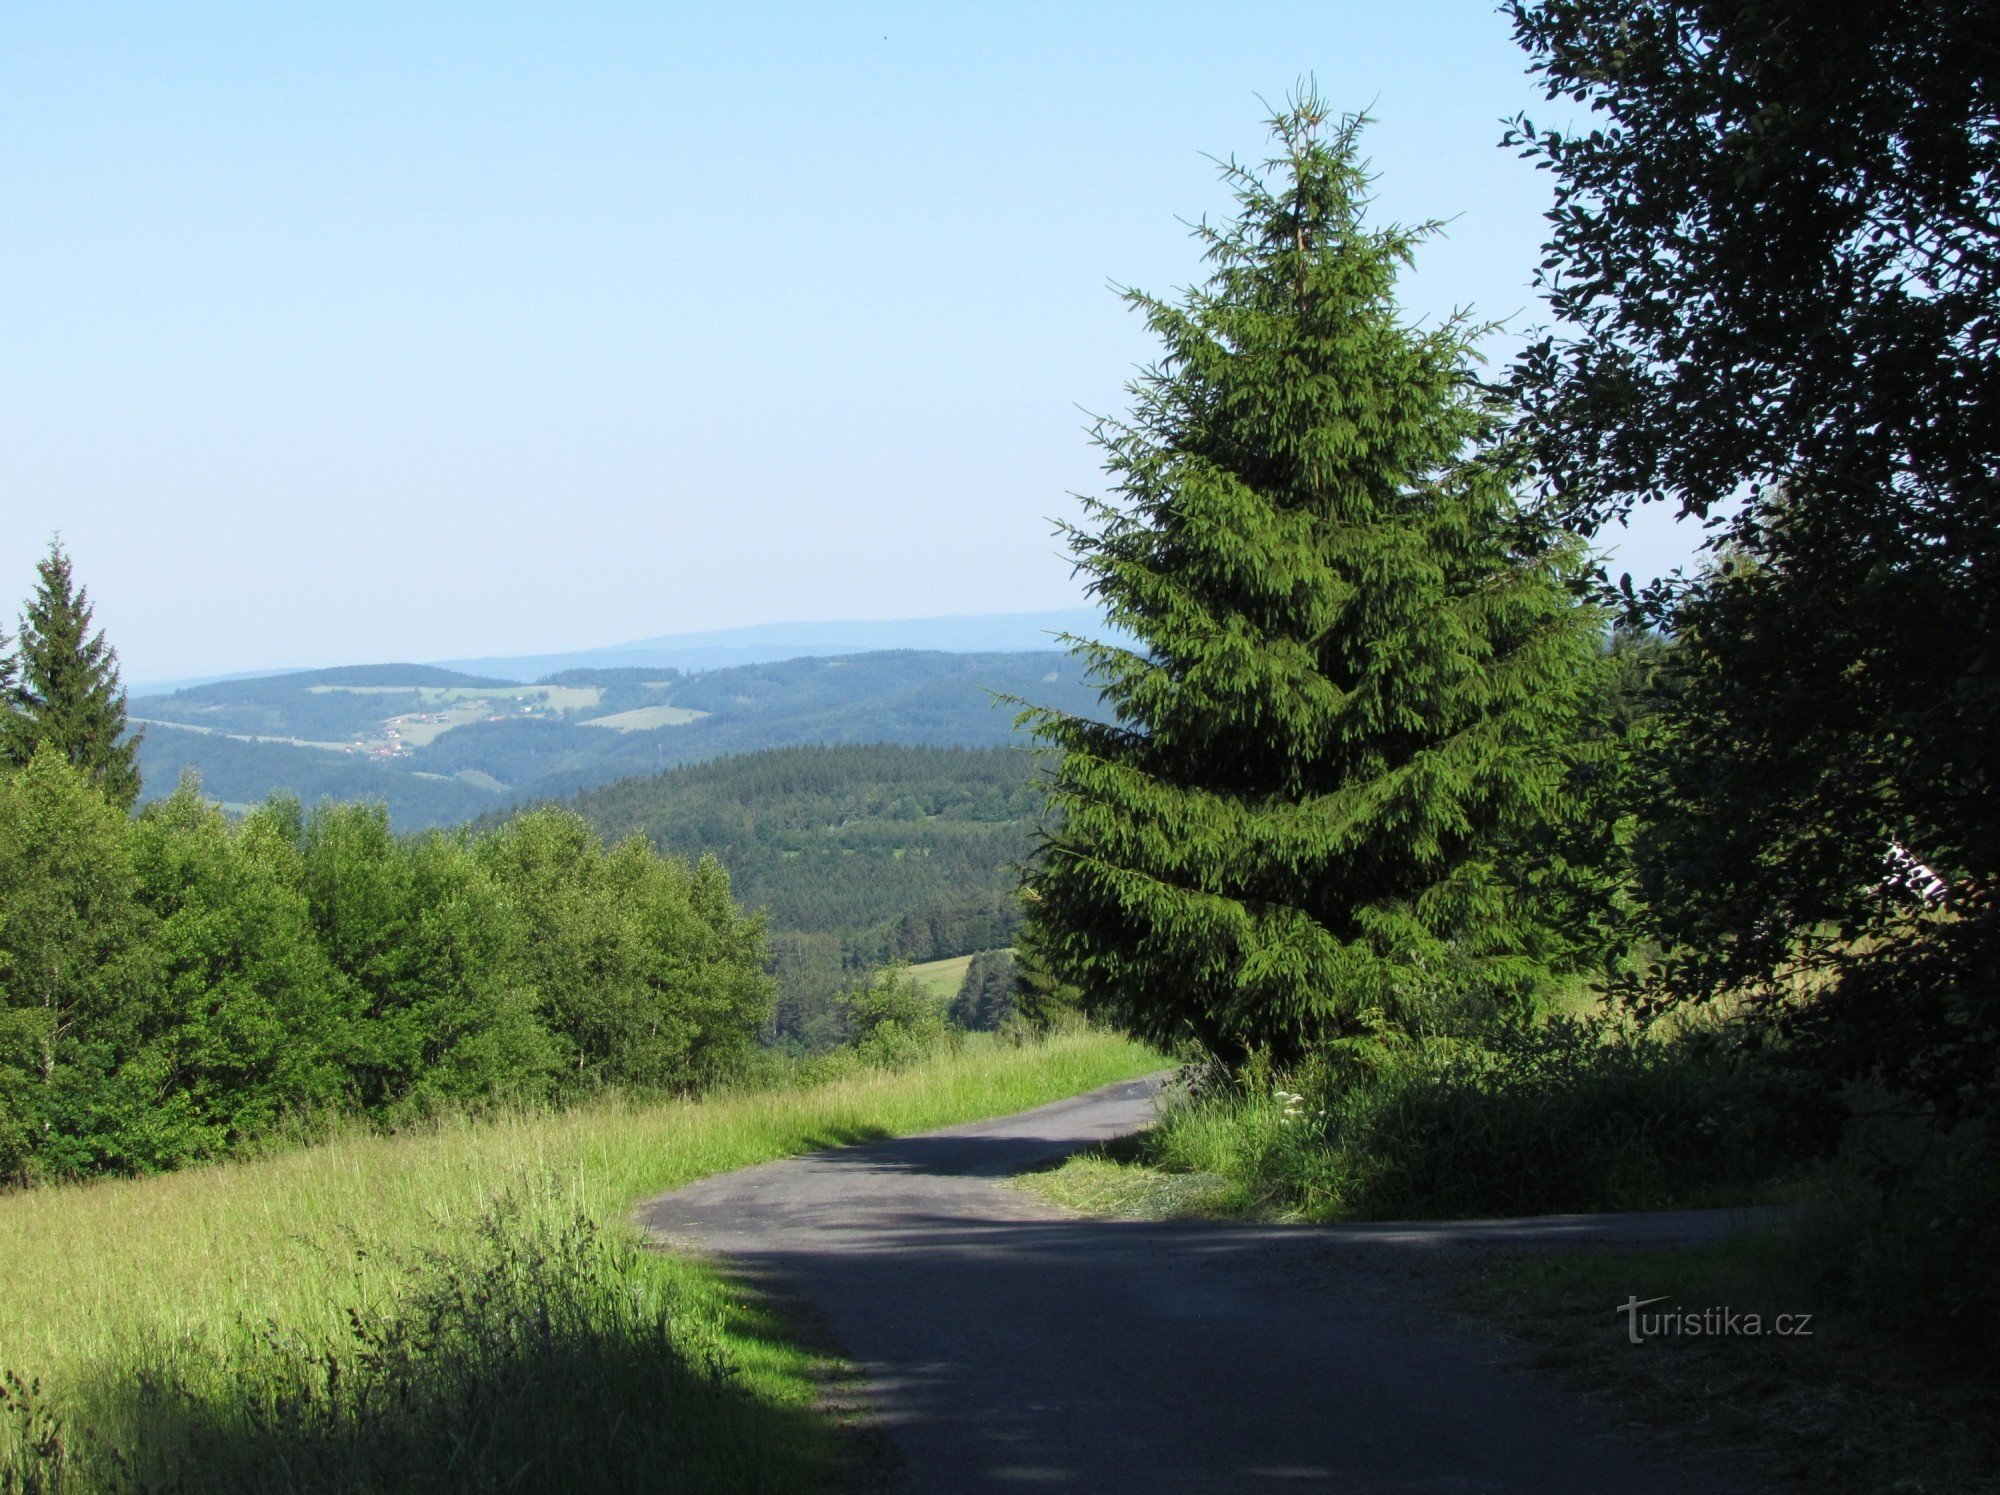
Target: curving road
(1006,1344)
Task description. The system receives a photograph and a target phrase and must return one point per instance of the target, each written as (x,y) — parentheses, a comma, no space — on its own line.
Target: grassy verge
(1123,1180)
(463,1307)
(1572,1114)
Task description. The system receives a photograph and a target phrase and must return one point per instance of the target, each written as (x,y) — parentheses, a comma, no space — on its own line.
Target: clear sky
(365,331)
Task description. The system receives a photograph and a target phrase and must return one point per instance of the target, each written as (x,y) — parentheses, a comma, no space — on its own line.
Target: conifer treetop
(67,696)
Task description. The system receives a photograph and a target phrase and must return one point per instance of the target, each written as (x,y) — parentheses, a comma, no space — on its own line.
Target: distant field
(646,718)
(559,697)
(942,978)
(304,742)
(415,732)
(447,707)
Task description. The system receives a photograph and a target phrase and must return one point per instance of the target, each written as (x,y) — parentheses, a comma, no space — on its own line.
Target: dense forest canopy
(857,855)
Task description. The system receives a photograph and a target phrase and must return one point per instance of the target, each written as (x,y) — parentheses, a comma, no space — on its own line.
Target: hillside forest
(189,977)
(439,747)
(857,857)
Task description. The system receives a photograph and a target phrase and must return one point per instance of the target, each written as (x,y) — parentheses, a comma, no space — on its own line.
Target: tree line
(175,984)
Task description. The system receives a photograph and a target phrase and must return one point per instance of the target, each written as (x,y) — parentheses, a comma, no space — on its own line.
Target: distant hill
(859,854)
(767,643)
(443,746)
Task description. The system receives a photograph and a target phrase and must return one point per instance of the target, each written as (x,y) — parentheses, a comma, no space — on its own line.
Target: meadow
(462,1305)
(647,718)
(941,978)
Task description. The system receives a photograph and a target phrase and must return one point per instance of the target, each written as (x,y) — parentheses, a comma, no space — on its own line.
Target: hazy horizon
(755,643)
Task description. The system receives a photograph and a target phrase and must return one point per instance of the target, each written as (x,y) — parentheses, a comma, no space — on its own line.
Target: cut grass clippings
(458,1307)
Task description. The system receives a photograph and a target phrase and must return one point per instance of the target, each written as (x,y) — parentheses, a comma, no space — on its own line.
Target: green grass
(454,1307)
(1570,1115)
(941,979)
(1115,1180)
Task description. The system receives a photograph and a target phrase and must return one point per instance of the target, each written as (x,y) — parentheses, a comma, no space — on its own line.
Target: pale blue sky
(370,331)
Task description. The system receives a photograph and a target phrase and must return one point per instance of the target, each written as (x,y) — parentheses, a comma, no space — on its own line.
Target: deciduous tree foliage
(644,966)
(174,986)
(73,960)
(1776,256)
(1360,663)
(245,1021)
(67,696)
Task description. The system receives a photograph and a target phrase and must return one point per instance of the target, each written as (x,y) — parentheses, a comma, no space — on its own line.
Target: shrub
(1906,1233)
(73,958)
(177,986)
(644,972)
(244,1017)
(894,1020)
(1569,1114)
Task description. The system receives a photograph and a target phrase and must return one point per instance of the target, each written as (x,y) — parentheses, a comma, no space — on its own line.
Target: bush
(247,1025)
(73,959)
(895,1021)
(1906,1233)
(177,987)
(646,974)
(1569,1114)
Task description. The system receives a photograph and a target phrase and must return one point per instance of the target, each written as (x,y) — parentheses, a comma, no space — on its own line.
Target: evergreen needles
(67,696)
(1361,662)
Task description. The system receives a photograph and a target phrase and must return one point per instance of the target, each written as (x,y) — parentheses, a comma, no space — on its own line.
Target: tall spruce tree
(1360,664)
(68,696)
(10,669)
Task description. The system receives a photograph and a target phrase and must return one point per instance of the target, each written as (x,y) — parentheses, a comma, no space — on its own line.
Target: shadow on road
(1005,1344)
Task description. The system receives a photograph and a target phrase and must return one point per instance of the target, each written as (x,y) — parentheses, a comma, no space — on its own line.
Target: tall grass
(463,1306)
(1573,1113)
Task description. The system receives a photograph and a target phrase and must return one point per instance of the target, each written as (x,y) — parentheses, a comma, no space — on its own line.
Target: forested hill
(860,854)
(441,747)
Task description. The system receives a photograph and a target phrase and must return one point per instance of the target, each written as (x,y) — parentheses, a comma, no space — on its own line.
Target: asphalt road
(1005,1344)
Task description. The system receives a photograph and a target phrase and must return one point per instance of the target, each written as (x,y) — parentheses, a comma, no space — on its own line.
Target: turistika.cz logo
(1694,1323)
